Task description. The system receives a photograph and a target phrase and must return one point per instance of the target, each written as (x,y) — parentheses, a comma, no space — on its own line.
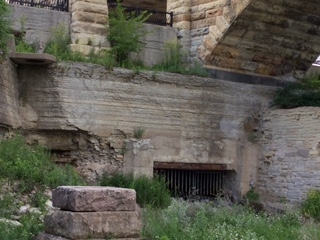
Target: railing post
(171,19)
(137,11)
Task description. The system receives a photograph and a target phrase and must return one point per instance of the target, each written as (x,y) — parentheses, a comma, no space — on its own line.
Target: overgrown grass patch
(32,166)
(185,220)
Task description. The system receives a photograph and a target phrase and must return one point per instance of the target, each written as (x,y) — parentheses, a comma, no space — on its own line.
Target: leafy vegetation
(25,173)
(21,45)
(150,191)
(305,93)
(185,220)
(124,33)
(174,62)
(138,132)
(31,165)
(311,206)
(4,27)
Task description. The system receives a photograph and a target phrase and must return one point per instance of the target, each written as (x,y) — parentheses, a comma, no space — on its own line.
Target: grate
(185,183)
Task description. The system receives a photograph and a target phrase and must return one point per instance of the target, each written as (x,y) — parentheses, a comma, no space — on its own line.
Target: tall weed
(150,191)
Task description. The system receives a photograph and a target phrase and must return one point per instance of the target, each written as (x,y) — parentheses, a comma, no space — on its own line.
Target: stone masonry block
(90,225)
(89,17)
(89,7)
(89,39)
(93,199)
(84,27)
(84,49)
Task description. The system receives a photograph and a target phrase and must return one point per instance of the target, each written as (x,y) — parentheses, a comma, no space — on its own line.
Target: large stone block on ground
(91,225)
(94,199)
(46,236)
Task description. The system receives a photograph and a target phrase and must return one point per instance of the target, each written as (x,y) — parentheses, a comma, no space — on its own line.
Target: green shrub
(32,166)
(21,45)
(174,62)
(252,195)
(124,32)
(311,206)
(58,45)
(149,191)
(305,93)
(4,27)
(138,132)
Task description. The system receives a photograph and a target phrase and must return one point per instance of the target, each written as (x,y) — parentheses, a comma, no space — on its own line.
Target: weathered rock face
(94,199)
(85,113)
(290,158)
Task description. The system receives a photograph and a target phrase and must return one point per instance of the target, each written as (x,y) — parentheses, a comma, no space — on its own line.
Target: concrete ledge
(32,58)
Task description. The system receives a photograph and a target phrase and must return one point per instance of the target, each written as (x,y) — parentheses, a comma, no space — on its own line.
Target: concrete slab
(32,58)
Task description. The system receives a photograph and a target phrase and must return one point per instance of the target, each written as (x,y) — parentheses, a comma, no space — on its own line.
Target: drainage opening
(189,180)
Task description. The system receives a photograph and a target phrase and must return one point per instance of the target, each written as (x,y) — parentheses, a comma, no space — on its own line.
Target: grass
(32,166)
(184,220)
(27,171)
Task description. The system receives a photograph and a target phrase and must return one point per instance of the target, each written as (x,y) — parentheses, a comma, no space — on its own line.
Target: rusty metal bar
(190,166)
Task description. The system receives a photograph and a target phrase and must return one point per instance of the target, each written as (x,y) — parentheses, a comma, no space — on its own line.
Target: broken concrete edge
(32,58)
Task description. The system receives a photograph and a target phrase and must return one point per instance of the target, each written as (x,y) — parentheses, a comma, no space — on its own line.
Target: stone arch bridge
(268,37)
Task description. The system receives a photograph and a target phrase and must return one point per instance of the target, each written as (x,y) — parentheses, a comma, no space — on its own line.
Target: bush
(174,62)
(306,93)
(124,32)
(32,166)
(149,191)
(311,206)
(138,132)
(4,27)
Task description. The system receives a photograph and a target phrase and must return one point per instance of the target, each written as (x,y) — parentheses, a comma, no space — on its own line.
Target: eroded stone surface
(88,225)
(94,199)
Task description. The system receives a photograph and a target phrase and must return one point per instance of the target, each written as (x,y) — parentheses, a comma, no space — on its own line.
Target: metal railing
(156,17)
(57,5)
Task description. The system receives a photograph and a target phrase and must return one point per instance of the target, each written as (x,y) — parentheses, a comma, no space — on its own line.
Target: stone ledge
(32,58)
(94,199)
(91,225)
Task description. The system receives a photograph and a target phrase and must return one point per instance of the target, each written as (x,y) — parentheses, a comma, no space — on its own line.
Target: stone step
(94,199)
(84,225)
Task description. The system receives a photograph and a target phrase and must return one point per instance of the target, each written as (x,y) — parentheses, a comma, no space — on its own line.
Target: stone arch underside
(270,37)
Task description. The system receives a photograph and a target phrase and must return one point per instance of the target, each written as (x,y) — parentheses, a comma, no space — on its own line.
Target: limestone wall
(9,106)
(290,156)
(38,22)
(85,113)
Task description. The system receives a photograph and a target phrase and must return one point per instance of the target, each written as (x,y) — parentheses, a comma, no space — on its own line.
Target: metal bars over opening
(156,17)
(57,5)
(188,183)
